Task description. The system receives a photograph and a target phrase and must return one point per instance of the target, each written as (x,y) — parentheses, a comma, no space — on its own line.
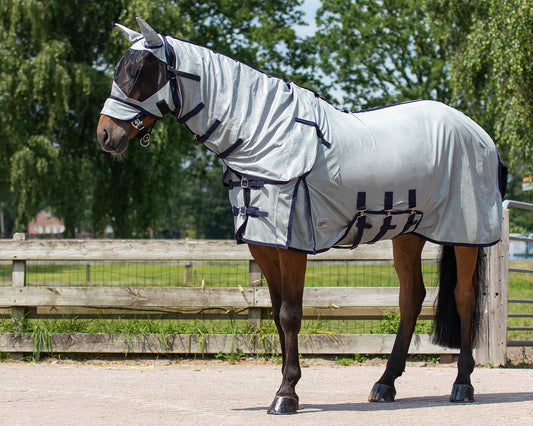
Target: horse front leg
(285,273)
(465,300)
(292,266)
(407,250)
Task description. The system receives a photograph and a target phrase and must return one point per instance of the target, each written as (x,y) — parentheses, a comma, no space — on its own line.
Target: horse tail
(447,322)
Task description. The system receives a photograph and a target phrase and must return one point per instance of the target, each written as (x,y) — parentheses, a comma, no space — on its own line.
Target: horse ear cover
(131,35)
(151,38)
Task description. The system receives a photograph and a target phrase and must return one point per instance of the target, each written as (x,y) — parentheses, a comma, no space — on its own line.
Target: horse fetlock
(395,368)
(292,375)
(465,365)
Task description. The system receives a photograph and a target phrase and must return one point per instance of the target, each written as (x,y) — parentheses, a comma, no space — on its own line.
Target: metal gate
(528,314)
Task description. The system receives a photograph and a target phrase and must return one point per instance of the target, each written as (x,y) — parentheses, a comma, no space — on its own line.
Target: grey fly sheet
(306,176)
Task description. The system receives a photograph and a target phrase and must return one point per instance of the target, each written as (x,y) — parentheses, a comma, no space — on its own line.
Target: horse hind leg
(465,300)
(407,250)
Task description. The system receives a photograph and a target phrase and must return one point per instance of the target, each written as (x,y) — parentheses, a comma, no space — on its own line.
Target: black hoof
(462,393)
(382,393)
(283,405)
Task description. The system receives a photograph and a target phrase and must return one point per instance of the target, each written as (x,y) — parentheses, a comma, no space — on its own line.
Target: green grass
(142,274)
(209,274)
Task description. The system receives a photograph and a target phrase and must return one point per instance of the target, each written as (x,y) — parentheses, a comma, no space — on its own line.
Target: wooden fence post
(492,345)
(18,279)
(254,280)
(187,273)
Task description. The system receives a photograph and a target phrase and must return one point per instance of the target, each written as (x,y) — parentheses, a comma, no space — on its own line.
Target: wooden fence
(251,302)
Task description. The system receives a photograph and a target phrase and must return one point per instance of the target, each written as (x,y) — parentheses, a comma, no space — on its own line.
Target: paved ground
(213,392)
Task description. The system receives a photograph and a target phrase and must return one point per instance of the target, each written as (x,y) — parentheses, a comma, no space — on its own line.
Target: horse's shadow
(410,403)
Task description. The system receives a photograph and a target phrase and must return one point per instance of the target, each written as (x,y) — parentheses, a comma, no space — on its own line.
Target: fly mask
(144,81)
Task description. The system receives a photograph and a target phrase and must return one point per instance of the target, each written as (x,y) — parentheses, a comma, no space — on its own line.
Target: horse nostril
(103,138)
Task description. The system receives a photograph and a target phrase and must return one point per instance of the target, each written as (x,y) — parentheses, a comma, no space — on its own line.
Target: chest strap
(247,183)
(249,211)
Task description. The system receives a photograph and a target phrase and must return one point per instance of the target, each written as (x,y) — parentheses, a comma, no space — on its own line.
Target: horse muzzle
(111,137)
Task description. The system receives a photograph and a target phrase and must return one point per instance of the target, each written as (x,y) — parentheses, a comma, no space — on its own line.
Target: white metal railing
(509,204)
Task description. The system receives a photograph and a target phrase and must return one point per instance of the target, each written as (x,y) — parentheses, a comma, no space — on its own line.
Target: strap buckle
(138,123)
(143,134)
(145,140)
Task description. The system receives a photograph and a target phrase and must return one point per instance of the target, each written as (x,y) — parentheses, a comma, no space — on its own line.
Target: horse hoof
(462,393)
(382,393)
(283,405)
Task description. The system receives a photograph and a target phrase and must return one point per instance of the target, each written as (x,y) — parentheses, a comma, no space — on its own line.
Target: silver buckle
(137,123)
(242,211)
(245,183)
(145,140)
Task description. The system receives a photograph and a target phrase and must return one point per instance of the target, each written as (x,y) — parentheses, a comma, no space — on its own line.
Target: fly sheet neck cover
(142,84)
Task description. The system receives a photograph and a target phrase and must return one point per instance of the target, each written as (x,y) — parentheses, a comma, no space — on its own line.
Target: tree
(49,92)
(380,52)
(200,207)
(492,69)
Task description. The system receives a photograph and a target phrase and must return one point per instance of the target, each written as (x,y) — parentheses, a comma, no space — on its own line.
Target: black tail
(447,321)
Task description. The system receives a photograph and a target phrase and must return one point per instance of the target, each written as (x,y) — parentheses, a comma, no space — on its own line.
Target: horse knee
(290,318)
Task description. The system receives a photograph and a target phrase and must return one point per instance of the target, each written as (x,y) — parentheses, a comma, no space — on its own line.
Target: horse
(304,177)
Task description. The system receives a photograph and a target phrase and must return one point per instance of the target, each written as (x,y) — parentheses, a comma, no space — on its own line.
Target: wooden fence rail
(251,302)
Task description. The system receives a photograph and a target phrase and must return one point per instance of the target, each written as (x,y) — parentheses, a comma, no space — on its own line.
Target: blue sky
(309,7)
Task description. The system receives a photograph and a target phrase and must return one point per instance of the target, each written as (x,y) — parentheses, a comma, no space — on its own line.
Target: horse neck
(215,97)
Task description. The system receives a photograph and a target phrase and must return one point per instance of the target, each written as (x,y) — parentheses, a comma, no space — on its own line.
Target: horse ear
(130,34)
(151,38)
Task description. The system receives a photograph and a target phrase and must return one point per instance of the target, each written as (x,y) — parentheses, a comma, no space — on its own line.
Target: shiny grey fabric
(303,175)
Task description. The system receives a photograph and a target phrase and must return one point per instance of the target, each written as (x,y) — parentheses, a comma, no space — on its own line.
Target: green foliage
(391,322)
(42,341)
(233,357)
(345,362)
(492,69)
(381,52)
(34,168)
(49,92)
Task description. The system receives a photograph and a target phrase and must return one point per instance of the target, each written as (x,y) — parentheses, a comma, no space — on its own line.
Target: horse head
(143,90)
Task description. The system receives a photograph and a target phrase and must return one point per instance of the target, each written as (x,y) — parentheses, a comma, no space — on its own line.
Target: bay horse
(304,177)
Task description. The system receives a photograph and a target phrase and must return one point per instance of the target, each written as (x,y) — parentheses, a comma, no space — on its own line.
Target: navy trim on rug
(292,209)
(209,132)
(444,243)
(229,150)
(317,128)
(191,113)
